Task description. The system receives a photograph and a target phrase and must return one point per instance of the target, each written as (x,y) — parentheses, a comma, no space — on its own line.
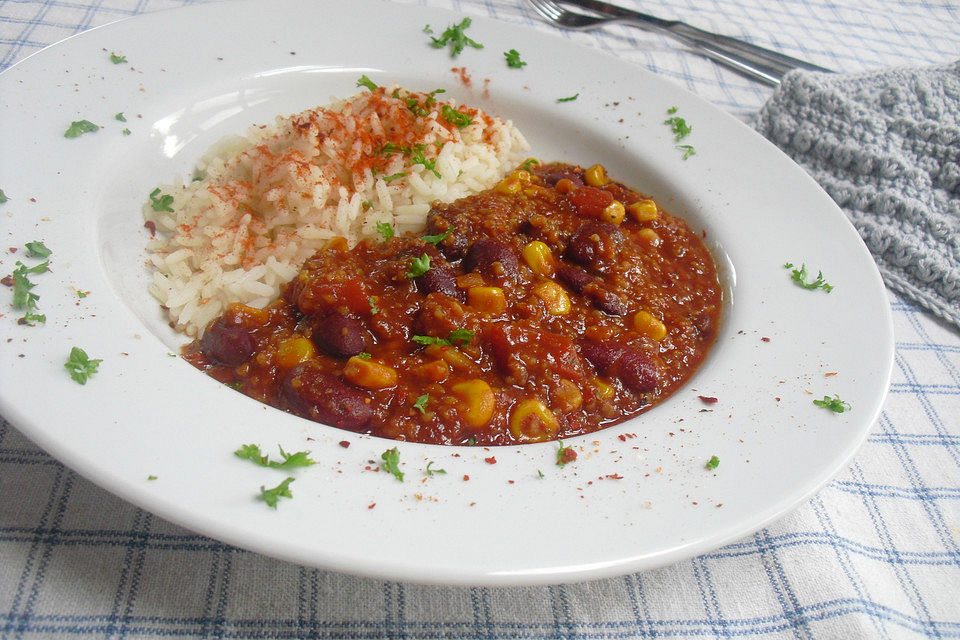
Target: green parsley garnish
(540,474)
(456,37)
(834,404)
(672,110)
(374,310)
(565,454)
(23,298)
(391,463)
(679,127)
(569,98)
(417,157)
(272,496)
(454,117)
(80,127)
(125,132)
(513,59)
(3,197)
(421,404)
(437,238)
(115,59)
(363,355)
(386,231)
(252,453)
(80,366)
(419,266)
(457,335)
(427,29)
(431,472)
(120,117)
(712,463)
(687,149)
(395,176)
(529,164)
(151,477)
(364,81)
(37,249)
(160,201)
(800,278)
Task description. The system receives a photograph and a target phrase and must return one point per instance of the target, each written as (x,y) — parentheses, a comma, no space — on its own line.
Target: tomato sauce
(555,304)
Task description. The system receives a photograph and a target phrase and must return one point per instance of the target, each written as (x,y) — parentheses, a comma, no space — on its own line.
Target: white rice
(262,204)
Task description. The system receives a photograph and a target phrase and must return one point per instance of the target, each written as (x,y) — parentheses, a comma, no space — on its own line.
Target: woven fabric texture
(886,147)
(875,555)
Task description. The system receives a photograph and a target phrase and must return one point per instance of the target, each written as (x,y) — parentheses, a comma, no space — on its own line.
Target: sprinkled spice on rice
(261,205)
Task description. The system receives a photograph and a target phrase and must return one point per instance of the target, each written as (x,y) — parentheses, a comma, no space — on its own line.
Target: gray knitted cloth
(886,147)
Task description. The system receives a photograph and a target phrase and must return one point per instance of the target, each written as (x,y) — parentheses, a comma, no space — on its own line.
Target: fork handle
(749,59)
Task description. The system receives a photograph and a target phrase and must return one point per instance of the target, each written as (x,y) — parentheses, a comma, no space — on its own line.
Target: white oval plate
(638,495)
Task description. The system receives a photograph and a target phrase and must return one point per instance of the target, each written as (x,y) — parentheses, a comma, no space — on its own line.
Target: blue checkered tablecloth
(876,554)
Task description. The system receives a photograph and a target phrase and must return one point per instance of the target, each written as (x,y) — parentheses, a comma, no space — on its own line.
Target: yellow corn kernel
(650,237)
(433,371)
(538,257)
(338,243)
(604,390)
(613,213)
(509,186)
(554,297)
(369,374)
(249,316)
(294,351)
(568,396)
(451,355)
(532,421)
(487,299)
(478,402)
(521,175)
(643,210)
(596,176)
(648,325)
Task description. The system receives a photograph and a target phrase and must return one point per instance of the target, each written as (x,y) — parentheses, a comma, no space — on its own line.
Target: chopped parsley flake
(419,266)
(417,157)
(80,366)
(457,335)
(528,164)
(437,238)
(160,201)
(79,127)
(799,276)
(364,81)
(569,98)
(834,404)
(363,355)
(432,472)
(513,59)
(120,117)
(421,404)
(386,231)
(455,37)
(252,453)
(565,454)
(272,496)
(395,176)
(23,298)
(454,117)
(151,477)
(37,249)
(687,149)
(115,59)
(125,132)
(374,310)
(3,197)
(712,463)
(679,127)
(391,463)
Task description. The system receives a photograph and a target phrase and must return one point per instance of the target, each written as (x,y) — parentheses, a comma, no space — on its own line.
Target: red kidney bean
(340,336)
(228,344)
(322,397)
(595,244)
(632,367)
(441,278)
(485,255)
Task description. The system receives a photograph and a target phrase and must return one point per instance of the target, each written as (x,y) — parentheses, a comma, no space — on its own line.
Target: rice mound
(260,205)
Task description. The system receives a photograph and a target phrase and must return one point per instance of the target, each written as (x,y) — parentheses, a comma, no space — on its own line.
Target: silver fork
(756,62)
